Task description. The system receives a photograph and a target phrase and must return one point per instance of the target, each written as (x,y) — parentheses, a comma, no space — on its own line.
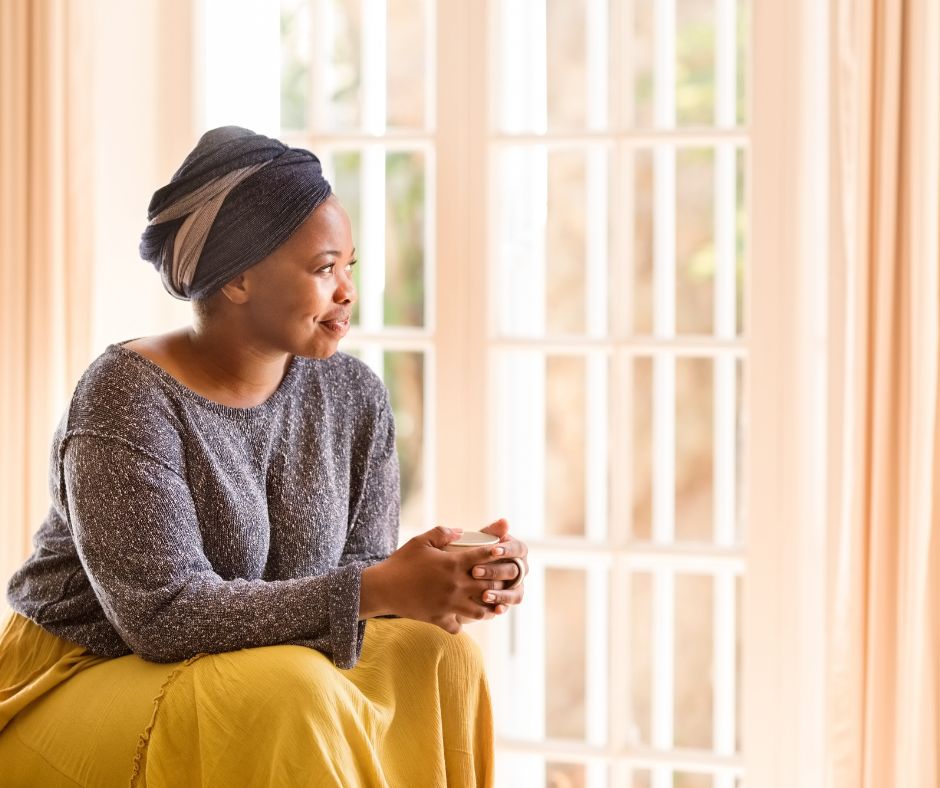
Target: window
(550,203)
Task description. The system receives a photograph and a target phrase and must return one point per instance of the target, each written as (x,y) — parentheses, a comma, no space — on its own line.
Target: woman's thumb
(439,536)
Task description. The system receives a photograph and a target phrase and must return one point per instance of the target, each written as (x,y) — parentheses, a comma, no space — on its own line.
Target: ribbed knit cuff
(346,630)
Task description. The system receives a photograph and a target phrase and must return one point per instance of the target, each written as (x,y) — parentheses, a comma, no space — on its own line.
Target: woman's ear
(236,290)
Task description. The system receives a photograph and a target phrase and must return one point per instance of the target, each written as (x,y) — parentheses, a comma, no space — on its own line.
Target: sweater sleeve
(374,514)
(136,531)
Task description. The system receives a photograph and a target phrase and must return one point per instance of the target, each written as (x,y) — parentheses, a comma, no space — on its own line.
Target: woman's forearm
(373,593)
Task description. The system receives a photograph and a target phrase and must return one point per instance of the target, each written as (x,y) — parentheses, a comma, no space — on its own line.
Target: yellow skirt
(414,712)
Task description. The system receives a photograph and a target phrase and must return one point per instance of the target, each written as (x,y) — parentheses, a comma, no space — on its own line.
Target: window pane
(404,246)
(740,235)
(693,659)
(695,447)
(695,62)
(521,180)
(565,242)
(565,431)
(566,775)
(295,64)
(566,63)
(743,58)
(345,172)
(404,376)
(642,241)
(689,780)
(342,86)
(641,658)
(407,62)
(695,247)
(642,53)
(565,653)
(642,457)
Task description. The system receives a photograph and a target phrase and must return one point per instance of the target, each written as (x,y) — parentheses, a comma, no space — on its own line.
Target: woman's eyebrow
(333,252)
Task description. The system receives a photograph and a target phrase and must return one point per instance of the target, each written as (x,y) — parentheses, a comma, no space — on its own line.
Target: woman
(225,499)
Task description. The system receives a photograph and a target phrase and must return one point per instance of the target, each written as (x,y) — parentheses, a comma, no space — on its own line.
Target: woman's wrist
(373,593)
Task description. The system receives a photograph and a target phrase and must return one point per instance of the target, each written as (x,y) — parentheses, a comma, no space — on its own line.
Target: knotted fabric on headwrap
(235,199)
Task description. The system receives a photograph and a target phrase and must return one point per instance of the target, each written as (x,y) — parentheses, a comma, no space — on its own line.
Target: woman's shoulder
(118,395)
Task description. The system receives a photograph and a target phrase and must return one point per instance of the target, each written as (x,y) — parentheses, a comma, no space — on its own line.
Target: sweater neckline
(261,409)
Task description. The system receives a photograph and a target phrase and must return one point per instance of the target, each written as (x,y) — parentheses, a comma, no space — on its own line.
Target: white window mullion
(597,70)
(664,73)
(726,50)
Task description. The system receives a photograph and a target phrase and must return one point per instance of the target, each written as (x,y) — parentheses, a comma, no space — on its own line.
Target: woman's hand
(421,581)
(499,569)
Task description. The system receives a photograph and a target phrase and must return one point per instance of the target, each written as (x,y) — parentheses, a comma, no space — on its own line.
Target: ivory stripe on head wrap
(202,205)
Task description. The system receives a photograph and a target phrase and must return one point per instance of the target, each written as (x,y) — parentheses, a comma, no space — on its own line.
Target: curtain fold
(884,648)
(46,100)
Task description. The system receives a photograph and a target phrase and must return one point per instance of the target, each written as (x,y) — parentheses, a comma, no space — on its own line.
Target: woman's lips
(336,326)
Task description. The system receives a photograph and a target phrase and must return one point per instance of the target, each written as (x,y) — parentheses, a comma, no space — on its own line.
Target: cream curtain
(45,246)
(884,707)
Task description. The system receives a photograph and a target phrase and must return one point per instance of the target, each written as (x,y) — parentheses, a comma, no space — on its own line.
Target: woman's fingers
(497,570)
(504,597)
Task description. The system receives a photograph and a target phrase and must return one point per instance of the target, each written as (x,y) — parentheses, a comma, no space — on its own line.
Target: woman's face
(300,297)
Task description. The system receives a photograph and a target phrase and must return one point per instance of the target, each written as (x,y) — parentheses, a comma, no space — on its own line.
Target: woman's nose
(345,289)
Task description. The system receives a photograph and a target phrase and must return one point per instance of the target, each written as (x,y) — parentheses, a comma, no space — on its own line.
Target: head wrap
(235,199)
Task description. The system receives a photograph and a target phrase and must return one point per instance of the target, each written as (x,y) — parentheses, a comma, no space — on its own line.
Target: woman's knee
(459,651)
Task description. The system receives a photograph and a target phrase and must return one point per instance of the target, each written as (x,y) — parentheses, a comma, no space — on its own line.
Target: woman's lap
(280,715)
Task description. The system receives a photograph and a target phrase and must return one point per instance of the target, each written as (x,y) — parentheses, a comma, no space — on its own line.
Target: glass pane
(642,52)
(565,431)
(404,242)
(695,62)
(693,660)
(566,63)
(694,449)
(688,780)
(521,180)
(407,63)
(641,778)
(641,658)
(642,458)
(741,436)
(565,653)
(743,62)
(404,376)
(345,170)
(695,247)
(295,64)
(565,242)
(740,235)
(642,241)
(739,590)
(566,775)
(343,80)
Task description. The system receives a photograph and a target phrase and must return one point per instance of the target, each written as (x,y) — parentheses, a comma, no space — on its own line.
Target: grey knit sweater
(179,525)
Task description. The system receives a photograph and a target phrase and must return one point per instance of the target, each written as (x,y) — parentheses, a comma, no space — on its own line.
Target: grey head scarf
(237,197)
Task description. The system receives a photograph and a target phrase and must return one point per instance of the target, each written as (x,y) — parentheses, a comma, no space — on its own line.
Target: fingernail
(489,597)
(498,550)
(479,571)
